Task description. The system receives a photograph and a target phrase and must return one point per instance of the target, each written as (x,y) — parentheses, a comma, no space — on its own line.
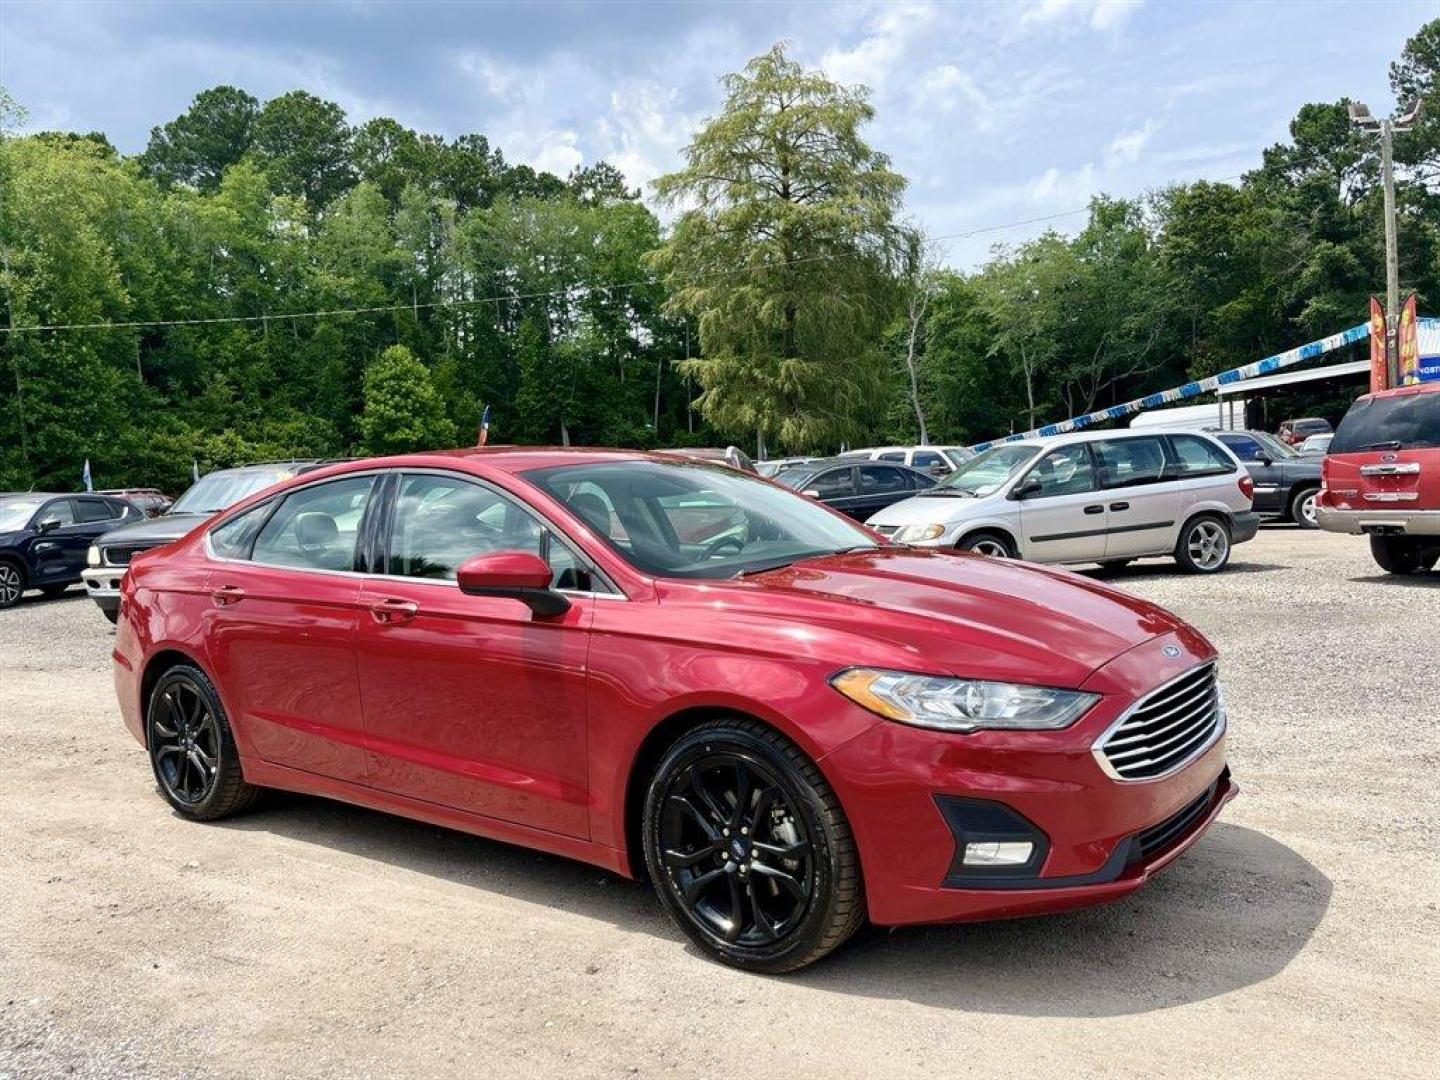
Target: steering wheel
(715,547)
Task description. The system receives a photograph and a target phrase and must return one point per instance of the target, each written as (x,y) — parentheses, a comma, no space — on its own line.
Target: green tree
(402,410)
(786,255)
(199,145)
(304,146)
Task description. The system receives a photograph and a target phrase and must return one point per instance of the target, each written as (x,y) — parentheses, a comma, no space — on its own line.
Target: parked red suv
(789,729)
(1381,477)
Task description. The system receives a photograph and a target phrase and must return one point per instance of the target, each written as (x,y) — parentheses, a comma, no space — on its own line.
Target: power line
(325,313)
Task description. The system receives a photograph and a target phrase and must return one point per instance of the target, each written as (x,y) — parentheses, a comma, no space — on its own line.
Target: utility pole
(1360,117)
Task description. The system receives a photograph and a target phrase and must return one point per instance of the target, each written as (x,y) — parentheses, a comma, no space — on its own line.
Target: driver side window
(60,511)
(1067,471)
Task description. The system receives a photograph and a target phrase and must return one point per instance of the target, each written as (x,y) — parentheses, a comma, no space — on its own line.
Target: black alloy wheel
(749,850)
(12,583)
(191,749)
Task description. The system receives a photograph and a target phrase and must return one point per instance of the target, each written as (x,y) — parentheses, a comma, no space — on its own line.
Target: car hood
(966,614)
(941,509)
(165,529)
(9,539)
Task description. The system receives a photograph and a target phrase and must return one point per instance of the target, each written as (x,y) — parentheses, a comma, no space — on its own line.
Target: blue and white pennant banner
(1191,389)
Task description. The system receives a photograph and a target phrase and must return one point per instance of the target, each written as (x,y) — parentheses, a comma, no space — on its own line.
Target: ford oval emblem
(1171,651)
(1389,457)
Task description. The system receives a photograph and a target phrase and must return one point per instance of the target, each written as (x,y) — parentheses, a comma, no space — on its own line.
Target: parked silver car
(1088,497)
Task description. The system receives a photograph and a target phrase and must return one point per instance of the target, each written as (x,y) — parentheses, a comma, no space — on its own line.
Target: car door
(281,630)
(473,702)
(1260,464)
(880,486)
(837,489)
(1141,501)
(58,553)
(1062,514)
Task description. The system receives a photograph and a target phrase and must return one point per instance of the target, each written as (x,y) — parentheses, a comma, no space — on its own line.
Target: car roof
(1402,391)
(1096,436)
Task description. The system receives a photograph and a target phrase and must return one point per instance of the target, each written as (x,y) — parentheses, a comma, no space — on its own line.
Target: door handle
(1120,506)
(393,610)
(1096,509)
(226,595)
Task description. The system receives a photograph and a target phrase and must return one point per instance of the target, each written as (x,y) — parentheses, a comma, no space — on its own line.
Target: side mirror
(1030,487)
(811,493)
(48,524)
(515,575)
(1265,459)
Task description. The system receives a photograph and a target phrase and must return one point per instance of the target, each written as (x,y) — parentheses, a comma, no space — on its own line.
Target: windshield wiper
(1388,444)
(951,493)
(790,560)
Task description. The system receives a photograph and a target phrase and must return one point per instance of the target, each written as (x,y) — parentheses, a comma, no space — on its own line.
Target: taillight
(1247,486)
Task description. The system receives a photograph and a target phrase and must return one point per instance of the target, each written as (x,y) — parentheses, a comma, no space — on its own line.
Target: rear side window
(1195,456)
(1404,422)
(891,455)
(315,528)
(91,510)
(1127,462)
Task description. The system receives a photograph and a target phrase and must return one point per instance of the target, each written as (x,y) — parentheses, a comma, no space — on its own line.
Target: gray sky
(997,112)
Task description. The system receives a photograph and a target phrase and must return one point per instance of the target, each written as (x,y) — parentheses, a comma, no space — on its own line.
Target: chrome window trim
(210,554)
(1097,747)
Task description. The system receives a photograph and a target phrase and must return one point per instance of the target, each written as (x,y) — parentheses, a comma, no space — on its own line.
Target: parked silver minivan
(1088,497)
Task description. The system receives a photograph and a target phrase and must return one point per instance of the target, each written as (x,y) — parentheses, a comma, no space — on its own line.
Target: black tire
(808,847)
(1298,504)
(12,582)
(1204,546)
(52,592)
(994,544)
(1403,554)
(192,751)
(113,614)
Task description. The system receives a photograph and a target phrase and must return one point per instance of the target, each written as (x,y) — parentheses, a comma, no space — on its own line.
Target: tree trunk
(917,316)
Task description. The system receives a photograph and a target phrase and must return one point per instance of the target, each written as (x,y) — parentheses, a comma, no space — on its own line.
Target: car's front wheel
(1403,554)
(988,543)
(192,750)
(750,850)
(1204,545)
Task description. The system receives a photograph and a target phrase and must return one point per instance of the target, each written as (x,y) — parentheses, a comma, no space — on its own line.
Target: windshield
(15,513)
(697,521)
(1274,446)
(222,490)
(1403,422)
(986,473)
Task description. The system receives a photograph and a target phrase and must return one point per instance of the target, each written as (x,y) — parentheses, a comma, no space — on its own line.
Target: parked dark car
(44,537)
(111,553)
(1286,482)
(152,502)
(855,488)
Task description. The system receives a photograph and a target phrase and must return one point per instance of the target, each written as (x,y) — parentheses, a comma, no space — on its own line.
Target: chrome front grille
(1165,730)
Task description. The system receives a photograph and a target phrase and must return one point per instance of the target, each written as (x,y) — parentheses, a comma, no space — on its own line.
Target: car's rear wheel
(1204,545)
(750,850)
(12,583)
(1403,554)
(988,543)
(192,750)
(1302,508)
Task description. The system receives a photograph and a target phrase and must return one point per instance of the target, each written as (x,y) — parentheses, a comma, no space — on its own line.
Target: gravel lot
(1299,938)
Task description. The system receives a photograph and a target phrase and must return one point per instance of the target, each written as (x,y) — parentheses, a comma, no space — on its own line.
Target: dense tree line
(789,300)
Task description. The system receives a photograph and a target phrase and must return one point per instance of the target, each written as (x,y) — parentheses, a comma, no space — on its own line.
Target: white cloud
(1125,148)
(1101,15)
(888,39)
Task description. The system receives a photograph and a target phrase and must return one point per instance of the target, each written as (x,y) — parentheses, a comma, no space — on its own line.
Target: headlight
(92,557)
(913,534)
(961,704)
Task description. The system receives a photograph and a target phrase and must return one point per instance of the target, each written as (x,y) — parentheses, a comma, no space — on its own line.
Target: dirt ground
(1301,937)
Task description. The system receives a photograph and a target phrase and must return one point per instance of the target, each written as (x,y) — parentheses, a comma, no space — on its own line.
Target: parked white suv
(935,460)
(1088,497)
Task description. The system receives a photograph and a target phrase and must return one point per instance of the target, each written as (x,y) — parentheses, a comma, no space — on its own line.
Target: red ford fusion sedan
(677,670)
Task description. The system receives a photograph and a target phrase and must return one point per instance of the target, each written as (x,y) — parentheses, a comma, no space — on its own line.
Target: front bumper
(102,584)
(1102,838)
(1244,526)
(1384,520)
